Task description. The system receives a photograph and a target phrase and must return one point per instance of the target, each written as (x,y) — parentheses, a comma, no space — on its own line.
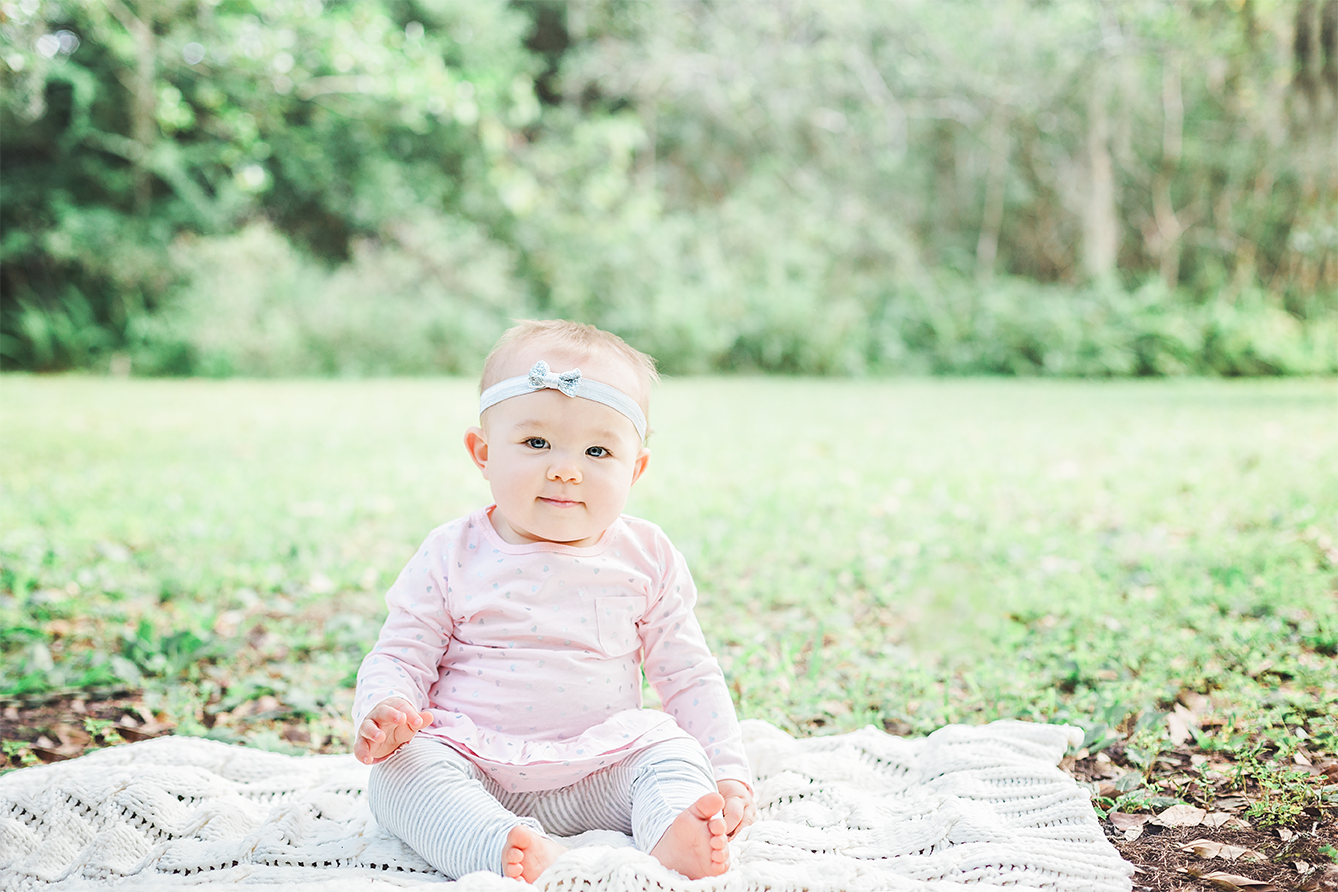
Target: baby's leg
(665,796)
(439,803)
(676,809)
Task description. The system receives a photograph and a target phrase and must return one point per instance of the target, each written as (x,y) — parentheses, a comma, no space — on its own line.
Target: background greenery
(903,553)
(354,187)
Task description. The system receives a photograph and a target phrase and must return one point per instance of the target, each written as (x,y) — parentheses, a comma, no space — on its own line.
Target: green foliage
(361,187)
(1284,793)
(908,554)
(343,126)
(20,750)
(103,731)
(433,295)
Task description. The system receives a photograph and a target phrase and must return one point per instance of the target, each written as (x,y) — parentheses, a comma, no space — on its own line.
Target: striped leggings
(457,818)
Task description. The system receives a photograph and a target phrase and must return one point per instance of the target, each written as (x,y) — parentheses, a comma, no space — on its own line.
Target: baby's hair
(562,336)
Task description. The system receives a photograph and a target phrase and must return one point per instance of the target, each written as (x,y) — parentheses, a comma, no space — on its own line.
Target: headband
(572,384)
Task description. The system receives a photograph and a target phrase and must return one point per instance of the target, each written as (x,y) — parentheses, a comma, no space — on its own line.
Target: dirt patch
(53,730)
(1175,859)
(1258,820)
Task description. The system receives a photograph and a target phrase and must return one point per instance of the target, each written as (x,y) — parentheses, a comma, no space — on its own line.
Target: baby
(502,700)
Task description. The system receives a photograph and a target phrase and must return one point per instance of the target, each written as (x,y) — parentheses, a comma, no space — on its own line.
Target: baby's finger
(399,735)
(733,815)
(364,747)
(370,731)
(386,714)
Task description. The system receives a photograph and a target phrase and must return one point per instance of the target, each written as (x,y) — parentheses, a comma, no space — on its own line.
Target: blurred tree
(127,122)
(790,185)
(815,162)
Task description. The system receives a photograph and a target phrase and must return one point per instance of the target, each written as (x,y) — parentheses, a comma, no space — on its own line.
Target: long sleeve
(688,679)
(414,638)
(529,657)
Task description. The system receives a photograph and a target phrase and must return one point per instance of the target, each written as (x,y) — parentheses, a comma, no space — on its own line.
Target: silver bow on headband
(570,383)
(567,382)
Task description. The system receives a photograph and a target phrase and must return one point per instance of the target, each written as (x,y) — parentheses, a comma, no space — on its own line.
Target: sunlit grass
(906,553)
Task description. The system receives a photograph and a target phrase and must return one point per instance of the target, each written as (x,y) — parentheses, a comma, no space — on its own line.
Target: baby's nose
(564,470)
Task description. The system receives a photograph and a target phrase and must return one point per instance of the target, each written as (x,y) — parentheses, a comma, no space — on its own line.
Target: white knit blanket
(984,807)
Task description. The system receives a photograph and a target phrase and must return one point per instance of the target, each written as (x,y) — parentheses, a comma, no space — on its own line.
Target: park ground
(1153,561)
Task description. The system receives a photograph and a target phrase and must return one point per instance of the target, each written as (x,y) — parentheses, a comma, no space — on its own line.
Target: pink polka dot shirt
(529,657)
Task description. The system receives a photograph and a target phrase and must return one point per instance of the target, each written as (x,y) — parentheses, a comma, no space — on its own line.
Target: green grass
(906,553)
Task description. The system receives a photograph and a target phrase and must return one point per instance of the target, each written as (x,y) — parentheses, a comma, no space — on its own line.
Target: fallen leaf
(1120,821)
(1285,835)
(1324,879)
(144,732)
(831,707)
(1301,867)
(1216,819)
(1231,803)
(1209,848)
(72,737)
(1230,882)
(1106,770)
(296,734)
(1178,723)
(58,753)
(1194,701)
(1181,816)
(1133,833)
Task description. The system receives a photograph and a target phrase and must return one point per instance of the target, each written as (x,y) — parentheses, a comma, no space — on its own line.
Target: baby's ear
(476,443)
(639,466)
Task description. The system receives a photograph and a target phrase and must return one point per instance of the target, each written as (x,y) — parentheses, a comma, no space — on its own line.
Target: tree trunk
(1166,242)
(143,100)
(987,246)
(1101,225)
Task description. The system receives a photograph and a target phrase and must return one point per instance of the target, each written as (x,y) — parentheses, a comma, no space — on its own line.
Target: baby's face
(560,468)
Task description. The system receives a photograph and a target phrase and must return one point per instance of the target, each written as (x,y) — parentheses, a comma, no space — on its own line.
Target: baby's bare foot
(528,854)
(695,845)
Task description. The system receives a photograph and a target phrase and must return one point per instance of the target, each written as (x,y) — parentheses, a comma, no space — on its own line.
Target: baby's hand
(739,808)
(387,727)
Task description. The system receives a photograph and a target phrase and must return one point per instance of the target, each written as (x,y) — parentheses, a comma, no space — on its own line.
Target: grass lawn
(1152,560)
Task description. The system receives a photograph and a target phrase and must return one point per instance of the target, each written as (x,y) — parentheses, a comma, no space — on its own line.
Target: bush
(1016,327)
(431,297)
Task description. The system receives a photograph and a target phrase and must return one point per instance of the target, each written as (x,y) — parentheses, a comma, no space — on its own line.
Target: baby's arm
(386,728)
(395,678)
(680,667)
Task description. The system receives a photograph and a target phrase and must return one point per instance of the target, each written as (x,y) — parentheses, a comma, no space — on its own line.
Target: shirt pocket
(615,623)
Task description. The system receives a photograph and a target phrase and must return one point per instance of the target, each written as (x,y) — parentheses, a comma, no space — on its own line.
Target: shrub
(431,296)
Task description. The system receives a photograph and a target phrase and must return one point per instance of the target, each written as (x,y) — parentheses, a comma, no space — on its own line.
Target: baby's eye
(537,443)
(596,452)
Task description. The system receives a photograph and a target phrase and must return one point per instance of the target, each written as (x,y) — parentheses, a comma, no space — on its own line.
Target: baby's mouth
(559,503)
